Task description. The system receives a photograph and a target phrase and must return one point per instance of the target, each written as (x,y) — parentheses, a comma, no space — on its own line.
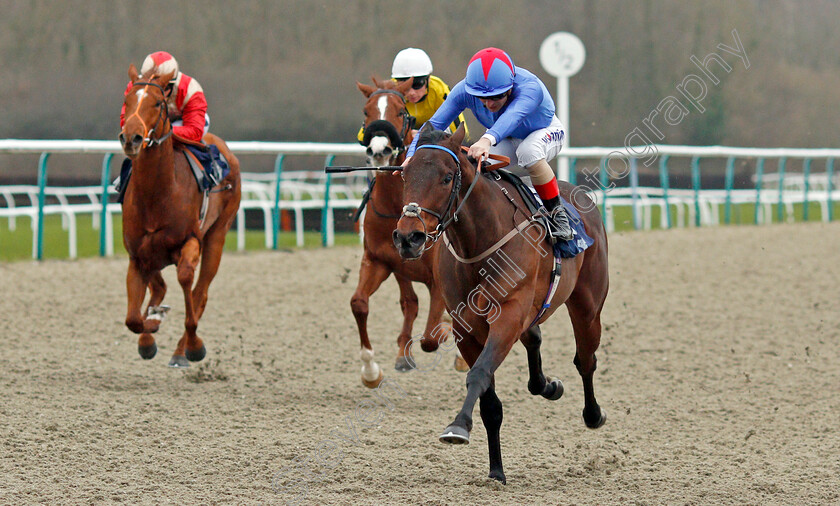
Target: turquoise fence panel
(806,175)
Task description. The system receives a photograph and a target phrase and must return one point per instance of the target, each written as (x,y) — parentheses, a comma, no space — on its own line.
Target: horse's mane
(432,136)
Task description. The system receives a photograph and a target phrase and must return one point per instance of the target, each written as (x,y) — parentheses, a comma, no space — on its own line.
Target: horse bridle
(413,210)
(163,117)
(397,138)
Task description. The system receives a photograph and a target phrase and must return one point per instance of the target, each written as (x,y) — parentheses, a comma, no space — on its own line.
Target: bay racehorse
(387,132)
(495,274)
(168,220)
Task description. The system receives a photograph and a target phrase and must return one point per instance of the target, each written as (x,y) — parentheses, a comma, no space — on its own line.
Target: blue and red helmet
(490,72)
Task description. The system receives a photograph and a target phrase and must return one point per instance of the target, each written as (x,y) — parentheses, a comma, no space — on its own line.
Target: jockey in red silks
(187,105)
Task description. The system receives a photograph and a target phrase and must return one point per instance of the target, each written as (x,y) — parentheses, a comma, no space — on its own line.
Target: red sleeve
(193,118)
(122,111)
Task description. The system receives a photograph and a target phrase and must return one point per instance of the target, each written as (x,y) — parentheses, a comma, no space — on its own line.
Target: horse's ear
(404,86)
(458,137)
(365,89)
(376,81)
(165,78)
(132,73)
(427,128)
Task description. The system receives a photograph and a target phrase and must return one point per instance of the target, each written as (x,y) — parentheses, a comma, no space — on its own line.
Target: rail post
(103,217)
(325,235)
(42,185)
(275,212)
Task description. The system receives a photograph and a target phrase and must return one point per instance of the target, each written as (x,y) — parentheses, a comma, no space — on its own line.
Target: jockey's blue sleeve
(454,105)
(524,104)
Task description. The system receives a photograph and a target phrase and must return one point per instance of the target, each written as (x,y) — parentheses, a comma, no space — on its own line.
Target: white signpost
(562,55)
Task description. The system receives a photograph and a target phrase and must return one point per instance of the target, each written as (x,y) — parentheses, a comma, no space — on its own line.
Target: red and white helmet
(164,62)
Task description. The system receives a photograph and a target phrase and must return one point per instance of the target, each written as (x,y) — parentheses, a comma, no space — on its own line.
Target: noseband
(163,118)
(413,210)
(396,138)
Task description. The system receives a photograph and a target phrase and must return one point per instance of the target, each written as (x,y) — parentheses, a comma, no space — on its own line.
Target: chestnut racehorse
(166,219)
(388,131)
(497,299)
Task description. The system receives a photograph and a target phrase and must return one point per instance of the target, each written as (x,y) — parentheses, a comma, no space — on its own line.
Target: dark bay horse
(494,302)
(166,219)
(387,131)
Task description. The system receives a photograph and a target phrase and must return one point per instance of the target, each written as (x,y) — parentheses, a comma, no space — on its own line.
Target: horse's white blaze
(140,93)
(382,103)
(370,369)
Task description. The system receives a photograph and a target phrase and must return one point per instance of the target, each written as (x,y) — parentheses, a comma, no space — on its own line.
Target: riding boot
(558,217)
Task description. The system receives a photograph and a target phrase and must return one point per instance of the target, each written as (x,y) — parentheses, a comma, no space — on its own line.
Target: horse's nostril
(369,151)
(387,151)
(417,238)
(122,138)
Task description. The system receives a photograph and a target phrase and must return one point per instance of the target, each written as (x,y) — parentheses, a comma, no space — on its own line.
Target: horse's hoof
(403,364)
(196,356)
(461,365)
(178,362)
(592,423)
(147,352)
(498,476)
(375,383)
(553,389)
(455,435)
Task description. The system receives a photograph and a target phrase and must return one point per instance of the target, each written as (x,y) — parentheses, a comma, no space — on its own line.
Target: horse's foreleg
(504,331)
(436,330)
(587,329)
(538,384)
(491,415)
(371,276)
(189,346)
(136,289)
(410,305)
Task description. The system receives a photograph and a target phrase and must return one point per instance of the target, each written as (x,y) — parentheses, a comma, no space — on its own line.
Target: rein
(163,118)
(412,209)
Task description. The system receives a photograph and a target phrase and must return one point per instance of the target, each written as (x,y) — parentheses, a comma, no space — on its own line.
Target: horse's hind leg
(538,384)
(211,257)
(189,346)
(587,327)
(371,276)
(410,306)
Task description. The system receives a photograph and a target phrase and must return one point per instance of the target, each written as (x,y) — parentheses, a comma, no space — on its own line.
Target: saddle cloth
(562,249)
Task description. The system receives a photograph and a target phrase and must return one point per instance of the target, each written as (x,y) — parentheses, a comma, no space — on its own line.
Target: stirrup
(559,226)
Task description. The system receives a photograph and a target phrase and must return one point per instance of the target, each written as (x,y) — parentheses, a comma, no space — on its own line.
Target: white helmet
(164,62)
(411,62)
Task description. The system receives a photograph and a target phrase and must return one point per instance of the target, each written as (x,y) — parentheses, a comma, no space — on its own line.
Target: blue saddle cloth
(580,241)
(215,166)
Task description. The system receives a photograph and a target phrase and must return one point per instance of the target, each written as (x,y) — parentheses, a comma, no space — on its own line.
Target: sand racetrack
(719,370)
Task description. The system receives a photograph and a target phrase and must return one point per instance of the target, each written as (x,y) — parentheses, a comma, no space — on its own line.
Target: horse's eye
(447,179)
